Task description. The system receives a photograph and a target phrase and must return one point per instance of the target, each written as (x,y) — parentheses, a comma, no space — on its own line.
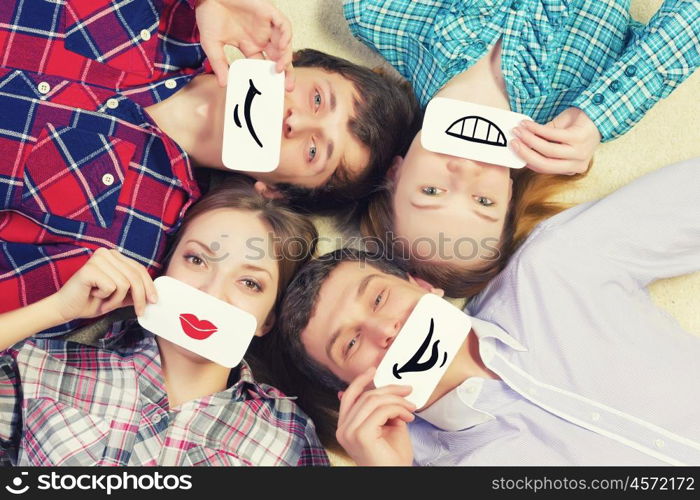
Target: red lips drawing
(198,329)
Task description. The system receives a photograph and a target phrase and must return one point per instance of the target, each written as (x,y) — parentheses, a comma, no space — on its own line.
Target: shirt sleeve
(660,56)
(313,454)
(647,230)
(10,407)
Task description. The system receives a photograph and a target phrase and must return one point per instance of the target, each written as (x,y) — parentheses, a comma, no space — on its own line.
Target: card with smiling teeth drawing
(471,131)
(424,348)
(199,322)
(253,117)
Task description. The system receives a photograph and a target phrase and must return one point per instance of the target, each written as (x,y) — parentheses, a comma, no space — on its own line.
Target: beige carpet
(668,133)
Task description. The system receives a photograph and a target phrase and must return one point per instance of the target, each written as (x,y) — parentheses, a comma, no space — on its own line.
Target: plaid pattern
(64,403)
(82,166)
(555,53)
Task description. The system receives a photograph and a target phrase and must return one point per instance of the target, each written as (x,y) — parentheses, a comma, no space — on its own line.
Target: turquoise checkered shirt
(555,53)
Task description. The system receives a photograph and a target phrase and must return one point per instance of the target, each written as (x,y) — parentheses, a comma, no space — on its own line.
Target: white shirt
(593,372)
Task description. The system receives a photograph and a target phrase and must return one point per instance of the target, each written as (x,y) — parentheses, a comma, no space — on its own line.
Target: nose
(462,165)
(214,287)
(296,123)
(382,331)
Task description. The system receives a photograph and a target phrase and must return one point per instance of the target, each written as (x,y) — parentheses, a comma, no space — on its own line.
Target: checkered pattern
(63,403)
(555,53)
(82,166)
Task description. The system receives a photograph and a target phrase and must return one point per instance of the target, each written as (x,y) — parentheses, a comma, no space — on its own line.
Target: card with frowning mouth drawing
(424,348)
(199,322)
(471,131)
(253,116)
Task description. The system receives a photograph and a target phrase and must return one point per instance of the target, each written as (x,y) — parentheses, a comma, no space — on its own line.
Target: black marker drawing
(252,92)
(477,129)
(414,364)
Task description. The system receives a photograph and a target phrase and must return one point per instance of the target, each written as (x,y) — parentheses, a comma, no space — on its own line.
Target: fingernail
(516,132)
(515,144)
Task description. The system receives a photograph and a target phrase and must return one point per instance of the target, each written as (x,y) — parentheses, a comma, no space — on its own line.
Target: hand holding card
(199,322)
(424,348)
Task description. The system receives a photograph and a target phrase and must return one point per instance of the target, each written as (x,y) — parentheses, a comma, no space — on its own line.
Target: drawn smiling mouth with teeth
(477,129)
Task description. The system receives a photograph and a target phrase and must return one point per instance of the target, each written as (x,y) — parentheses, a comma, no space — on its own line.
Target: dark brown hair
(386,117)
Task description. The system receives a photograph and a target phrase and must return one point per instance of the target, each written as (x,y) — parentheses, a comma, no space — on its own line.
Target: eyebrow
(249,267)
(333,105)
(205,247)
(360,291)
(435,207)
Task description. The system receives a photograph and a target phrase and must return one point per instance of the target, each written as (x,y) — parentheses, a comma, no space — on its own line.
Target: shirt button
(112,103)
(157,418)
(170,84)
(479,45)
(556,22)
(631,70)
(44,87)
(107,179)
(598,99)
(614,85)
(595,416)
(145,35)
(659,443)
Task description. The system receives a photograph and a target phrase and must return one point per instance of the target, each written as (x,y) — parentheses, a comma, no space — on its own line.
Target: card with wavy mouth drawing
(253,116)
(471,131)
(424,348)
(199,322)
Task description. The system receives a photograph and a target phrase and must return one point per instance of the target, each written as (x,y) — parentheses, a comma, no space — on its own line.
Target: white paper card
(253,116)
(471,131)
(424,348)
(199,322)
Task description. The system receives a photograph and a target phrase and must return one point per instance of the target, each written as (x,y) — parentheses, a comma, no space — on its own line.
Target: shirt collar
(455,410)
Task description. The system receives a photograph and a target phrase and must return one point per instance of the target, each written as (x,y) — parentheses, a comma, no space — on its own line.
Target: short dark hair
(301,299)
(387,117)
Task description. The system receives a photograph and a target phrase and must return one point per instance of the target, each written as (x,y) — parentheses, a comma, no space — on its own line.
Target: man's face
(374,306)
(316,139)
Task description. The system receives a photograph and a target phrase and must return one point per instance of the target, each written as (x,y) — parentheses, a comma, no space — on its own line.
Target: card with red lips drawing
(471,131)
(424,348)
(253,116)
(199,322)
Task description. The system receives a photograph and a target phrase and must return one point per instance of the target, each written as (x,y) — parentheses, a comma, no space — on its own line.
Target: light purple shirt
(592,371)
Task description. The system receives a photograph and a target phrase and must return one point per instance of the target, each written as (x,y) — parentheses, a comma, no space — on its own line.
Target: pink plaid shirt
(64,403)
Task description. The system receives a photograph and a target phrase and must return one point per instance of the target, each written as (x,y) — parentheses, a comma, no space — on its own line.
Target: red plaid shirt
(64,403)
(82,165)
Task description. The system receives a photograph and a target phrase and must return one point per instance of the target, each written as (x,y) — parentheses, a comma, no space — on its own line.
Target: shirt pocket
(123,35)
(202,455)
(58,434)
(75,174)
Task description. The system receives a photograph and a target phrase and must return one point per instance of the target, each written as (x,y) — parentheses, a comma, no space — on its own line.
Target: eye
(312,152)
(252,284)
(483,200)
(194,259)
(317,100)
(378,299)
(431,190)
(350,345)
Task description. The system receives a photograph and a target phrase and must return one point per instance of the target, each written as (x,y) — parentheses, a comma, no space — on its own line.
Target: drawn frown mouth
(250,96)
(414,364)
